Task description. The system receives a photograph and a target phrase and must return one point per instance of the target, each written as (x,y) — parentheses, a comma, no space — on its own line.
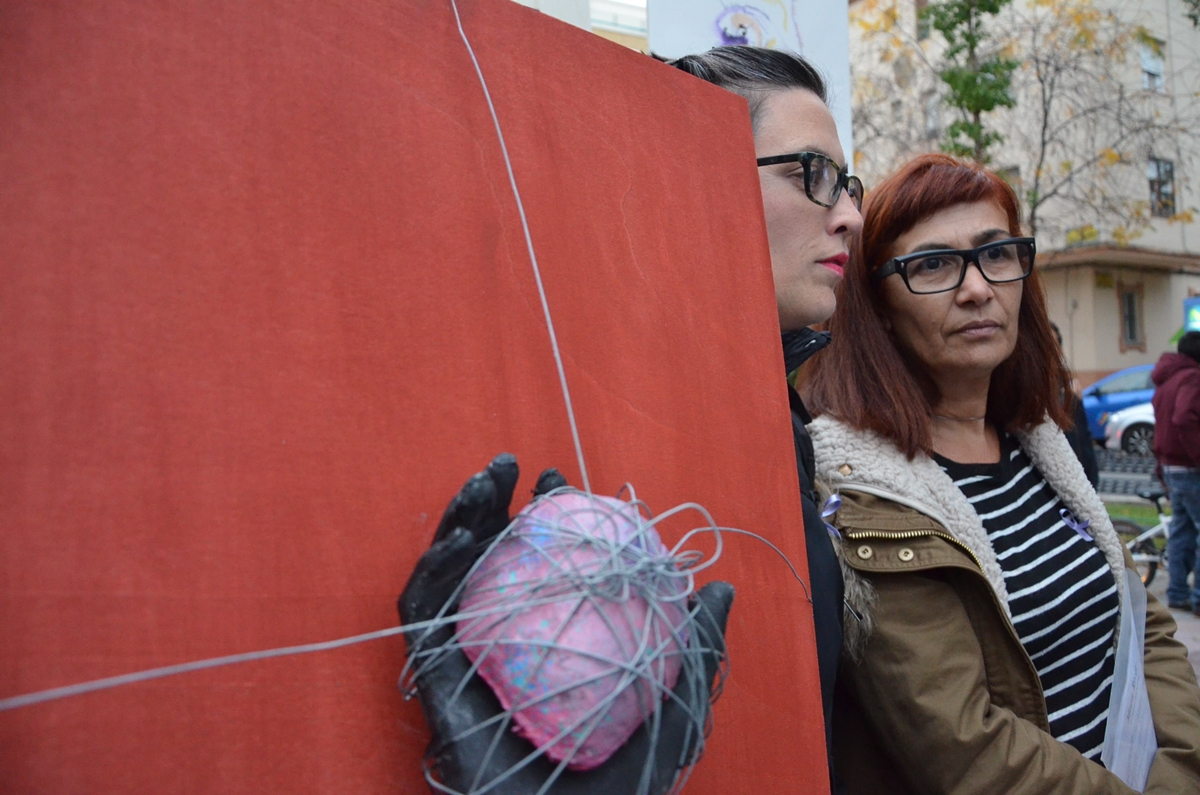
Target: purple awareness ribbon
(1078,526)
(829,509)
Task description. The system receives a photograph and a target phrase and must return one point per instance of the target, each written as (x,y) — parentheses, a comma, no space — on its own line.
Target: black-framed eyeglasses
(942,270)
(824,179)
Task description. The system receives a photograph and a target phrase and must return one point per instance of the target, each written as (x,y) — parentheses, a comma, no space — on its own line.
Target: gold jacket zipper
(916,534)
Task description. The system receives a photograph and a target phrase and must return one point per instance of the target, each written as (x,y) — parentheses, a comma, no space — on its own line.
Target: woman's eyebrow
(989,236)
(977,240)
(836,162)
(931,245)
(821,151)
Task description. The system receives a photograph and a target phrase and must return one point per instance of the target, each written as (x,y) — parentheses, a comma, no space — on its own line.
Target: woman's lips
(836,263)
(979,330)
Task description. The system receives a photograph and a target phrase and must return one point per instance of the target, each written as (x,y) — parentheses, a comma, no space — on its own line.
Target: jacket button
(845,469)
(865,552)
(905,554)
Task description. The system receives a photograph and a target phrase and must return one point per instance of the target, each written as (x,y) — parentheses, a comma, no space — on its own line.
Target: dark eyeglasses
(942,270)
(823,178)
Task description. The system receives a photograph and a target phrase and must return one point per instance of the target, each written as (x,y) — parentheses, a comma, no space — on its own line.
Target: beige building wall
(1160,322)
(1079,307)
(630,40)
(898,114)
(1070,302)
(576,12)
(621,21)
(1085,302)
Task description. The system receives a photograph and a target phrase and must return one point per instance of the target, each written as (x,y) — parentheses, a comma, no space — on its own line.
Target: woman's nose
(845,217)
(974,288)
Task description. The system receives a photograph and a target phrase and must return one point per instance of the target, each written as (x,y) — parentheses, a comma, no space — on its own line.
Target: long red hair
(866,381)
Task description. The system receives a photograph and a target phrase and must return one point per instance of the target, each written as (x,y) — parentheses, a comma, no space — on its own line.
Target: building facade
(1101,145)
(621,21)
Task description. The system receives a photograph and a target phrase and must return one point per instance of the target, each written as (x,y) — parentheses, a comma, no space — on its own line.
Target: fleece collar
(854,460)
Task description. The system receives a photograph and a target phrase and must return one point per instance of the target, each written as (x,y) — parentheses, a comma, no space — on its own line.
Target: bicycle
(1142,543)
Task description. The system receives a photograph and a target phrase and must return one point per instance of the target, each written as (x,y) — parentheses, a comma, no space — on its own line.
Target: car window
(1127,383)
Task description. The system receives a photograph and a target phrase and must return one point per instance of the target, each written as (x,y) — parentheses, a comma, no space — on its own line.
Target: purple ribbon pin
(829,509)
(1079,527)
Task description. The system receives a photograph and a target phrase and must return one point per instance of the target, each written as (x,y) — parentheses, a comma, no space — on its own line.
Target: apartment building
(1101,144)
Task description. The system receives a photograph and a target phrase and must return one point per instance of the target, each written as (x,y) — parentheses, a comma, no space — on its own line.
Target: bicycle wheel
(1145,554)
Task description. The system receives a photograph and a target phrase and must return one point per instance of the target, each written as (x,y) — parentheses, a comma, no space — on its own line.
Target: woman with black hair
(812,206)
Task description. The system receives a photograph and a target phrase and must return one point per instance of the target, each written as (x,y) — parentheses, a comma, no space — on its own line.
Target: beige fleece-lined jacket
(936,693)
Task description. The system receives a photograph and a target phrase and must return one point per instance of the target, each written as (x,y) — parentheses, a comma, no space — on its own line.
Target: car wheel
(1138,439)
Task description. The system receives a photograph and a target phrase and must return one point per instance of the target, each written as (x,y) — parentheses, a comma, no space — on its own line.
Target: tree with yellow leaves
(1085,120)
(977,75)
(1089,120)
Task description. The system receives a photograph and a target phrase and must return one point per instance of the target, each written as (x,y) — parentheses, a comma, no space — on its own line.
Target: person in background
(1080,436)
(811,205)
(1177,447)
(985,568)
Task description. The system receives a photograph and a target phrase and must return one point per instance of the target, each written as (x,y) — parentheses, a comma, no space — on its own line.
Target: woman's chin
(816,306)
(969,367)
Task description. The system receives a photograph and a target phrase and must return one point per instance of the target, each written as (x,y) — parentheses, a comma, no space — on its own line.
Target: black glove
(476,514)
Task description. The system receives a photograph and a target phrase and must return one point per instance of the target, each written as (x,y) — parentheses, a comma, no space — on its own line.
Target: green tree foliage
(1193,11)
(979,77)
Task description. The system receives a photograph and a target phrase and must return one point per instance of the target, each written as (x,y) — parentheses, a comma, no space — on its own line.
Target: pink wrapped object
(572,614)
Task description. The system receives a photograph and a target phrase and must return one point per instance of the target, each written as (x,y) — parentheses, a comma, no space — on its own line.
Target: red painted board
(264,305)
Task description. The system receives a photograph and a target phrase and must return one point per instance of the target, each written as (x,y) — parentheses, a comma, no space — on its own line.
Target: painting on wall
(765,24)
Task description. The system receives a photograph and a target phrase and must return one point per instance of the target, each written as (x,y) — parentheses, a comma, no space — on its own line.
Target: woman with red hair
(989,592)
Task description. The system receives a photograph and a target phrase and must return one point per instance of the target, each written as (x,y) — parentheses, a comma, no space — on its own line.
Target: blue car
(1120,390)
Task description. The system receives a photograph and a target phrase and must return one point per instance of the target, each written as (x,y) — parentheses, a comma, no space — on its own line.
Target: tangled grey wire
(576,614)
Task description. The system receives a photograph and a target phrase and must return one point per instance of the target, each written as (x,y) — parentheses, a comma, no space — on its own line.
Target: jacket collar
(853,460)
(800,345)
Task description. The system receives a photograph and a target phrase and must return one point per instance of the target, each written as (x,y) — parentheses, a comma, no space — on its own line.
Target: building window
(1133,335)
(1151,53)
(923,26)
(1161,174)
(933,118)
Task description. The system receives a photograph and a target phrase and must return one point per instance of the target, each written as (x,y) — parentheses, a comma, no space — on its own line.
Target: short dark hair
(867,382)
(753,72)
(1189,345)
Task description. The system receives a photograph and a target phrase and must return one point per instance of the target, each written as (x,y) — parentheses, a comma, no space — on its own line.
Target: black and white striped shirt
(1061,591)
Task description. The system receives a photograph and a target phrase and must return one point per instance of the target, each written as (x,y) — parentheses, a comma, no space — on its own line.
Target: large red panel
(265,303)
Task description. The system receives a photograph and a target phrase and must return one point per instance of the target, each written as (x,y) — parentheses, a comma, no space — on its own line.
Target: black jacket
(1080,438)
(824,572)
